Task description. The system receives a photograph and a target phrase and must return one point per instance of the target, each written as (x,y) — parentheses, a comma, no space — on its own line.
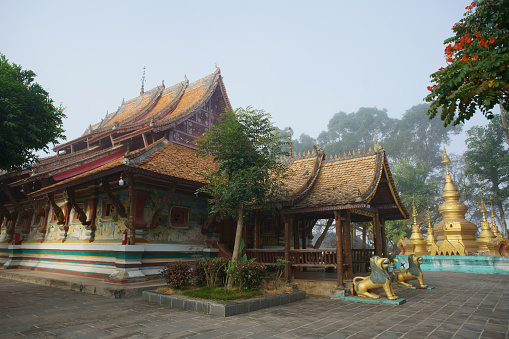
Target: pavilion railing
(322,257)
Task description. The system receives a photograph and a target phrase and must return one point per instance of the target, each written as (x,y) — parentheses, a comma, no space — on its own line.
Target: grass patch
(219,293)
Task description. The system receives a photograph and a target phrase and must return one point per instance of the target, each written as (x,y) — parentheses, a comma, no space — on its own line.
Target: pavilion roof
(325,183)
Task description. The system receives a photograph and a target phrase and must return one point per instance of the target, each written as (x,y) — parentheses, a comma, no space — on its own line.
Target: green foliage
(416,139)
(29,119)
(279,269)
(347,132)
(211,271)
(477,73)
(179,274)
(487,163)
(247,275)
(245,147)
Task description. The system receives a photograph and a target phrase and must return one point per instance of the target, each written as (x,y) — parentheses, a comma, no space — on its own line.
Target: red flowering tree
(477,71)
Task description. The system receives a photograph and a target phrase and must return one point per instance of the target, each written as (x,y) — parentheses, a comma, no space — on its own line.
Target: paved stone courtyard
(461,306)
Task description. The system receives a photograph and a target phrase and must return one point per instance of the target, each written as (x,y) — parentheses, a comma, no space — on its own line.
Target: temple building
(455,236)
(120,201)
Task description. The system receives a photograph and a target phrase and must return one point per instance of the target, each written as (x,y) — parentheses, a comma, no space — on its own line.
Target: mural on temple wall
(180,221)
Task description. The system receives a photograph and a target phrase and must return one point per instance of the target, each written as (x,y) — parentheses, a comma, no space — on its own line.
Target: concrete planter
(221,309)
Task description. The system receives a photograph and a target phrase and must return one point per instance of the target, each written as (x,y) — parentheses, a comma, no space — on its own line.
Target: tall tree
(346,132)
(488,163)
(29,120)
(245,147)
(477,71)
(418,140)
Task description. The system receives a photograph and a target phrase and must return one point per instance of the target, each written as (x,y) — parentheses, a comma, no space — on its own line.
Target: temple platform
(463,264)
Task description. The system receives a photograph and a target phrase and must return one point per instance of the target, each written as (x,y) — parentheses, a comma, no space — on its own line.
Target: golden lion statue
(379,278)
(414,272)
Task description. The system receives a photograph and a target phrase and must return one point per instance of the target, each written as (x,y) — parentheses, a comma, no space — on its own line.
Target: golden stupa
(455,234)
(416,244)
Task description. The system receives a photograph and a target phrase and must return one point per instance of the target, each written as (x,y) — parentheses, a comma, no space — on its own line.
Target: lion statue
(379,278)
(413,272)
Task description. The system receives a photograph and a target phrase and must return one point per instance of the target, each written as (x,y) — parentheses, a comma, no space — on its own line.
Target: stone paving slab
(462,305)
(82,284)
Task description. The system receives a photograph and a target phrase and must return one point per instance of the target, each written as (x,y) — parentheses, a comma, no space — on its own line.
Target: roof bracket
(72,202)
(114,200)
(56,209)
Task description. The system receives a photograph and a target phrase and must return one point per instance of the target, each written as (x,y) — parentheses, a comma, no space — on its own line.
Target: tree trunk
(238,235)
(236,246)
(502,219)
(503,123)
(320,239)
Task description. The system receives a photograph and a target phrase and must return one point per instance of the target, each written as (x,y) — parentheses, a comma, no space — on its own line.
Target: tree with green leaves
(487,162)
(29,120)
(246,175)
(347,132)
(477,71)
(418,140)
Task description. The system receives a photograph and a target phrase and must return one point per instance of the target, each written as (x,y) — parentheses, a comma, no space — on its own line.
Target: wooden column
(384,239)
(339,249)
(347,247)
(364,227)
(287,247)
(256,240)
(304,224)
(377,235)
(132,228)
(295,225)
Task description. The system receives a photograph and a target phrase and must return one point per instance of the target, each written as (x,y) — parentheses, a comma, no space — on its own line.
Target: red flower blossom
(474,57)
(449,60)
(477,35)
(464,59)
(492,40)
(441,69)
(483,43)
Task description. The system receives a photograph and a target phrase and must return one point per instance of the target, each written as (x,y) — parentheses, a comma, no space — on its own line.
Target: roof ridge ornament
(218,70)
(143,81)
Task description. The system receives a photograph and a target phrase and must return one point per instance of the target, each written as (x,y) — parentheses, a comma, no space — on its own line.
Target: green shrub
(179,274)
(247,275)
(211,272)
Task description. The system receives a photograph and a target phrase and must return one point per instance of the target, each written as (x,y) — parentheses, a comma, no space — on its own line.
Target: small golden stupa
(455,234)
(416,244)
(486,234)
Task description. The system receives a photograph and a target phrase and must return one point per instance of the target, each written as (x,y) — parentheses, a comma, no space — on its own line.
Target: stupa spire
(486,234)
(494,227)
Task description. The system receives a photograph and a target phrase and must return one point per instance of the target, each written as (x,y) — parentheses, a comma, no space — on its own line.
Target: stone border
(221,309)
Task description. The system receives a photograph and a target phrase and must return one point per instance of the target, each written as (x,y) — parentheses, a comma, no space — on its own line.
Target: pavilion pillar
(295,225)
(347,247)
(377,235)
(287,248)
(339,250)
(304,224)
(256,240)
(384,239)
